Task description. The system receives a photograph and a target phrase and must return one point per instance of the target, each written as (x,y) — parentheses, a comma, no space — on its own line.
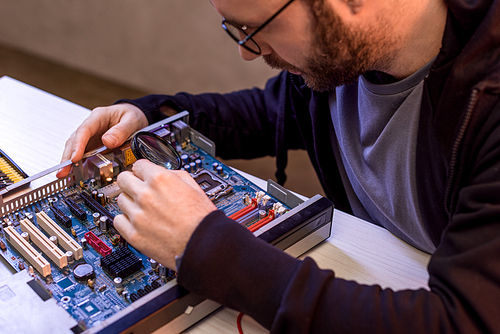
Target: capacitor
(214,166)
(73,232)
(29,215)
(154,264)
(185,159)
(21,265)
(219,170)
(101,199)
(123,242)
(262,214)
(198,163)
(3,247)
(53,239)
(118,283)
(94,194)
(83,241)
(95,217)
(103,223)
(25,236)
(90,283)
(193,167)
(92,183)
(69,255)
(162,271)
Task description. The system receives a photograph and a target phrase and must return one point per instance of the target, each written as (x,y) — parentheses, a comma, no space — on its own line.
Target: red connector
(262,222)
(245,210)
(97,243)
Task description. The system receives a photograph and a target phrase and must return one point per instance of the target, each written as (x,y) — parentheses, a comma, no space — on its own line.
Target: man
(396,102)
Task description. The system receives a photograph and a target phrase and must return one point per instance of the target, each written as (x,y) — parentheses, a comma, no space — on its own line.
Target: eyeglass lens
(239,35)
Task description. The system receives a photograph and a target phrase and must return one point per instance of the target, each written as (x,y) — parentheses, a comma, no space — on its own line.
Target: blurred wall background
(154,45)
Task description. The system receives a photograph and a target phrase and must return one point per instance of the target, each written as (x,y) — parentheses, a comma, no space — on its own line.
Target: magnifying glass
(147,145)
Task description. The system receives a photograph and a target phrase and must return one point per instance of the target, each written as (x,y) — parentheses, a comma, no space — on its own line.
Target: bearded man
(396,102)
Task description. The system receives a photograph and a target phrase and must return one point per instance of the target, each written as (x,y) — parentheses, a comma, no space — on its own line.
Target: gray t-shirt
(376,128)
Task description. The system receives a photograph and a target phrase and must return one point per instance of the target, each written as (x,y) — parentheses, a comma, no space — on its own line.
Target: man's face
(338,55)
(319,46)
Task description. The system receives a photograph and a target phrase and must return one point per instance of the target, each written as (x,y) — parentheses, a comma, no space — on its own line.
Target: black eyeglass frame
(248,37)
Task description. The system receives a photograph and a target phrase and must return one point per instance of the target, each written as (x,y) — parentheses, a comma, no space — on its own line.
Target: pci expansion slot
(48,247)
(66,242)
(23,247)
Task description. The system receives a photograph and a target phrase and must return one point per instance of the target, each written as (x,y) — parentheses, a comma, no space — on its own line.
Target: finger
(129,183)
(127,125)
(123,225)
(116,136)
(126,204)
(68,148)
(184,176)
(63,172)
(82,137)
(145,169)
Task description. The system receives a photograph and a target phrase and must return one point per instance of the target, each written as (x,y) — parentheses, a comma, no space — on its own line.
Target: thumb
(116,135)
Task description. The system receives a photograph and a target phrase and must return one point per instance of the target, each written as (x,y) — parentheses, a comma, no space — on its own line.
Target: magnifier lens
(146,145)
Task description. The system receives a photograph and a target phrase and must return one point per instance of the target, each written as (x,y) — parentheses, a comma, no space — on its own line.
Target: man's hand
(162,208)
(110,126)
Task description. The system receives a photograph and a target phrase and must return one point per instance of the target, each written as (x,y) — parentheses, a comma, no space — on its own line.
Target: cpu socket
(209,182)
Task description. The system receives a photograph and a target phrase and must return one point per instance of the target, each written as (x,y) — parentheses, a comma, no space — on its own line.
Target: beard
(339,55)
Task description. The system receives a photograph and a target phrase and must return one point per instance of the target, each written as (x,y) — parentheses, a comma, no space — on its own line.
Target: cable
(238,322)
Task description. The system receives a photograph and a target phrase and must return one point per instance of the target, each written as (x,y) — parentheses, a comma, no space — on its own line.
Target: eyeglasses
(248,42)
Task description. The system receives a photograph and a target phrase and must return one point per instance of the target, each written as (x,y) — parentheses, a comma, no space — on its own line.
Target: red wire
(238,322)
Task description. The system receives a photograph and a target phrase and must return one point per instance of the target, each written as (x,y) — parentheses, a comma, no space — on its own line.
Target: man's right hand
(110,126)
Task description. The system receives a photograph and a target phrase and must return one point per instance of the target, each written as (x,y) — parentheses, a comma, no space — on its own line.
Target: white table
(35,126)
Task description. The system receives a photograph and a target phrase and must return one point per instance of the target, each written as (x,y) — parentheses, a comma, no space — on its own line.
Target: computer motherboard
(62,236)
